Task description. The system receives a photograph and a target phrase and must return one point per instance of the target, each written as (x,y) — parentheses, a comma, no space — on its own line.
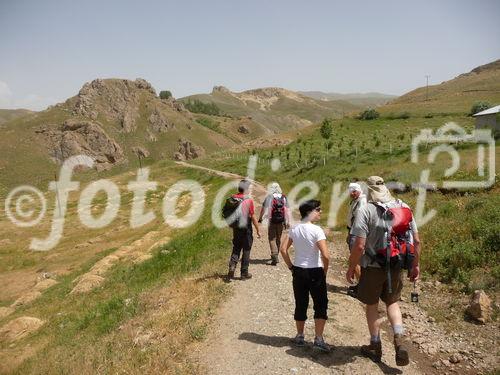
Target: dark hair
(243,186)
(308,206)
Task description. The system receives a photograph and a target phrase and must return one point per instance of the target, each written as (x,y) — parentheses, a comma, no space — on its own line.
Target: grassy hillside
(275,109)
(370,99)
(11,114)
(110,329)
(459,243)
(454,96)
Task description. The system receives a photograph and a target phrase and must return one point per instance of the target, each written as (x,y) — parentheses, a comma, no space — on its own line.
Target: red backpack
(278,209)
(398,239)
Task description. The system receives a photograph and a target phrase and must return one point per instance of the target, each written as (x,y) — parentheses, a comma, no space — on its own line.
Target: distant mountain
(454,96)
(369,99)
(11,114)
(274,109)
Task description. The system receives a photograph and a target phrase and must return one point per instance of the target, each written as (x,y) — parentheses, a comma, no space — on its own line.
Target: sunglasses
(317,209)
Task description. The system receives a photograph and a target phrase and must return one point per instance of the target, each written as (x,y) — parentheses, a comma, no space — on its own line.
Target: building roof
(489,111)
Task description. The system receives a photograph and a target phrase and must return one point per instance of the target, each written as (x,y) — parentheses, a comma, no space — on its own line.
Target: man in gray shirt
(358,201)
(369,228)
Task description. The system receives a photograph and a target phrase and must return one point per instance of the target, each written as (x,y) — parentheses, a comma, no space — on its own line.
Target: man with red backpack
(276,207)
(239,213)
(386,243)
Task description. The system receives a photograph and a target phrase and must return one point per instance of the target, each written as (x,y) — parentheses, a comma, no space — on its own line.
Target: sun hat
(377,191)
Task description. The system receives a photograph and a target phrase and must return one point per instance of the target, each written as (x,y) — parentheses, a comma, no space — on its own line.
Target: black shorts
(310,281)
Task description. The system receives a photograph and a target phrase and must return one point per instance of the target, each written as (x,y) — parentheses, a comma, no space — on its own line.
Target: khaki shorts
(373,285)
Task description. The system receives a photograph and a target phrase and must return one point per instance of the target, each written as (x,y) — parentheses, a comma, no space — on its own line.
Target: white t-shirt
(304,237)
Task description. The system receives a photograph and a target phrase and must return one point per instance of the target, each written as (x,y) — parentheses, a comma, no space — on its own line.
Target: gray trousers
(274,233)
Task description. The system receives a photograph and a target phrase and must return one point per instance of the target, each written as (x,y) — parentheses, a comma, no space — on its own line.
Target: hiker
(358,200)
(386,243)
(239,210)
(309,269)
(276,207)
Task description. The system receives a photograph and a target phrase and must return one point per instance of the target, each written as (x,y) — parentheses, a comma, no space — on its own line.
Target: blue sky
(50,48)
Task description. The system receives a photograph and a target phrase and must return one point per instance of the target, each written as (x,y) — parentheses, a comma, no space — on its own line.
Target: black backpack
(232,211)
(278,210)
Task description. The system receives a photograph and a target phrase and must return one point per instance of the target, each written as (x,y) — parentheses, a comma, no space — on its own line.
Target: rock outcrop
(117,100)
(140,151)
(80,137)
(243,129)
(480,307)
(159,122)
(188,150)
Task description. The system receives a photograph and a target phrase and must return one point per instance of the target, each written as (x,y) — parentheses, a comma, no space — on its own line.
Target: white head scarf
(354,186)
(275,188)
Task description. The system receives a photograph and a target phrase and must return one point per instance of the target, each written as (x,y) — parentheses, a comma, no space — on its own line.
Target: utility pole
(427,87)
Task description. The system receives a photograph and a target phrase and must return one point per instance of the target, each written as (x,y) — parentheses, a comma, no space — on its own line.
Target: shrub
(165,94)
(326,129)
(197,106)
(369,114)
(479,106)
(209,123)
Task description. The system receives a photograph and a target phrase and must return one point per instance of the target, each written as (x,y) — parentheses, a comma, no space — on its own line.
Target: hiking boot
(373,351)
(246,275)
(402,357)
(353,291)
(230,275)
(274,261)
(298,340)
(321,345)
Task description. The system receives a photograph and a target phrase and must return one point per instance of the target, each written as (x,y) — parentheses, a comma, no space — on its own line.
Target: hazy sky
(49,48)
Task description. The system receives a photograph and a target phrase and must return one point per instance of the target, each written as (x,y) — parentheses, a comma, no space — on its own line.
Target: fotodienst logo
(20,203)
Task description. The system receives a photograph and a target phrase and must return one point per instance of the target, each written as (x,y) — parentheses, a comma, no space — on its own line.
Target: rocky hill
(454,96)
(274,109)
(115,121)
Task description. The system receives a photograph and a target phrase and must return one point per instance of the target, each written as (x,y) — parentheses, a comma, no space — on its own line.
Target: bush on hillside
(197,106)
(209,123)
(165,94)
(479,106)
(369,114)
(326,129)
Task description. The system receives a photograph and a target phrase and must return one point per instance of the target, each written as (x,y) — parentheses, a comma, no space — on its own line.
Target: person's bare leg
(372,318)
(394,315)
(300,326)
(319,327)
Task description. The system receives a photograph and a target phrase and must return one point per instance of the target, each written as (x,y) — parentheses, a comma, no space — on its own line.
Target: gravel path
(251,331)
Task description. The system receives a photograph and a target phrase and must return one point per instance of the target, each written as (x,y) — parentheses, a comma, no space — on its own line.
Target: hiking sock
(398,329)
(375,338)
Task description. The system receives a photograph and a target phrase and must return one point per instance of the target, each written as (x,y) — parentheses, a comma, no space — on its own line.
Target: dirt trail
(251,331)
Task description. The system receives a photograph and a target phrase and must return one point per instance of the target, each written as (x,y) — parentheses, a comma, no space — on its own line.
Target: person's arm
(415,270)
(325,255)
(262,210)
(285,246)
(356,254)
(360,230)
(255,224)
